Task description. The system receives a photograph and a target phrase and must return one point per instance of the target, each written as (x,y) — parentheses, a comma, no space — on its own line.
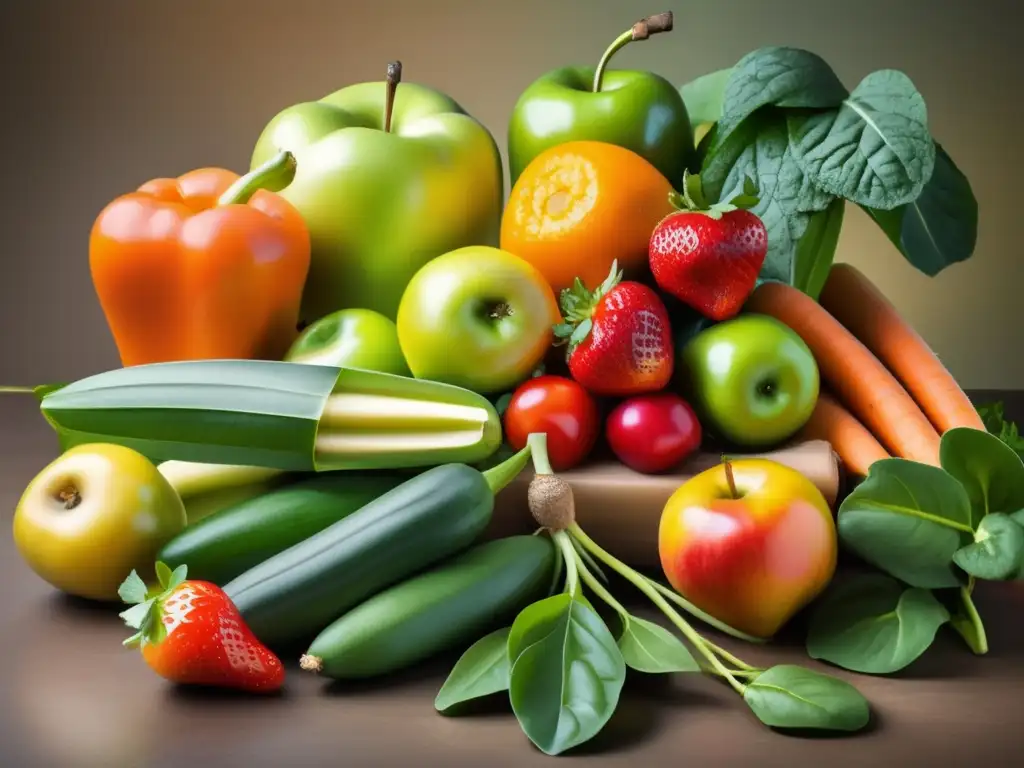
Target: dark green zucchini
(229,542)
(448,606)
(295,594)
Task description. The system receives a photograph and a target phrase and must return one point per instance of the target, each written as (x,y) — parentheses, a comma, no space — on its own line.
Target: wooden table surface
(71,696)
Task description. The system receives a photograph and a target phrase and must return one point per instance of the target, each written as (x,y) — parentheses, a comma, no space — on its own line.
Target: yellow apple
(93,515)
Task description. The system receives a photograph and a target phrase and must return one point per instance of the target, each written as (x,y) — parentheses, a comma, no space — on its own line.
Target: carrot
(853,373)
(859,305)
(856,447)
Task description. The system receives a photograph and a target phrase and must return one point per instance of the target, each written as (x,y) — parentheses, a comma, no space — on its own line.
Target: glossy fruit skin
(379,205)
(560,408)
(629,349)
(580,206)
(208,643)
(478,318)
(181,277)
(752,380)
(639,111)
(653,433)
(351,338)
(710,264)
(127,511)
(752,562)
(224,545)
(451,605)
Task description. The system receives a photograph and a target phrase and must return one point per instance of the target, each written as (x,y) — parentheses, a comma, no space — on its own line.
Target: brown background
(97,97)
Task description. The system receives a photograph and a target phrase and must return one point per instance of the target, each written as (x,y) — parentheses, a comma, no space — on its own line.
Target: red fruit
(191,633)
(653,433)
(620,339)
(709,257)
(561,409)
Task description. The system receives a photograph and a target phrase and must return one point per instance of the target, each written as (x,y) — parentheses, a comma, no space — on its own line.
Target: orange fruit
(582,205)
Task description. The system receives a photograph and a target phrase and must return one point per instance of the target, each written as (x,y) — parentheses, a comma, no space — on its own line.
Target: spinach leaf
(704,96)
(816,249)
(990,471)
(649,647)
(996,551)
(759,149)
(567,673)
(781,77)
(940,226)
(789,696)
(874,625)
(907,519)
(874,150)
(482,670)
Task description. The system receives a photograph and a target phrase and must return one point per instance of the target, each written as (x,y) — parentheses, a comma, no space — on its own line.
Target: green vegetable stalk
(275,415)
(564,668)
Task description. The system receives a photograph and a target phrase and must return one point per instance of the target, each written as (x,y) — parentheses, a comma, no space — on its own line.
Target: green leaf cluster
(783,117)
(563,668)
(932,533)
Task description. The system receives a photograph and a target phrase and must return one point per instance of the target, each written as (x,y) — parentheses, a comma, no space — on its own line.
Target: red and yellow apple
(750,542)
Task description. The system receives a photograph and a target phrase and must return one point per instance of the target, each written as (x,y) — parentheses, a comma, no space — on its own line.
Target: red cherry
(653,433)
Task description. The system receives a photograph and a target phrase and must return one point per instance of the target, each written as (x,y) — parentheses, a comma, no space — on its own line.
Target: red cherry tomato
(560,408)
(653,433)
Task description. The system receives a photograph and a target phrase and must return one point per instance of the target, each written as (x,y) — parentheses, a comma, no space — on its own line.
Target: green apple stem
(652,25)
(274,175)
(391,84)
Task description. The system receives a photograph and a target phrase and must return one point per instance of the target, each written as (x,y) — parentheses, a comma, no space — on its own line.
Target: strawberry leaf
(563,330)
(177,577)
(133,590)
(135,616)
(163,574)
(581,332)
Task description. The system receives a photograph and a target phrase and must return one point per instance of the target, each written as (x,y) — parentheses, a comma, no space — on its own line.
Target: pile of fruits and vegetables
(334,363)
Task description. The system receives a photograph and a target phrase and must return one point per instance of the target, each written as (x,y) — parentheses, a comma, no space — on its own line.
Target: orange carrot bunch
(885,392)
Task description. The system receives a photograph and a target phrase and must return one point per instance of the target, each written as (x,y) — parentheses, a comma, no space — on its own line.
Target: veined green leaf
(778,76)
(940,226)
(874,150)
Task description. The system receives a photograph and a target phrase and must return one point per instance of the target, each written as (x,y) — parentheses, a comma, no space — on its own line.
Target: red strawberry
(620,339)
(190,632)
(709,257)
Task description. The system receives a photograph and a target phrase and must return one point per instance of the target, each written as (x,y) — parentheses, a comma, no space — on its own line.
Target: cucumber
(296,593)
(229,542)
(448,606)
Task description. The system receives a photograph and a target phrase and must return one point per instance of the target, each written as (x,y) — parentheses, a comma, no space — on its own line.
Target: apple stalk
(394,77)
(643,29)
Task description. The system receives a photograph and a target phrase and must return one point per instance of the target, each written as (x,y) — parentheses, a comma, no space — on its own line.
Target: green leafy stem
(932,534)
(563,668)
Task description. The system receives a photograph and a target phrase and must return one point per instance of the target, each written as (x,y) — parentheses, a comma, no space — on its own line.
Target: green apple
(752,380)
(387,176)
(478,318)
(351,338)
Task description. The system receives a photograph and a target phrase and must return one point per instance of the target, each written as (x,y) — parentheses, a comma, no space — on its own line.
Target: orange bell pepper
(208,265)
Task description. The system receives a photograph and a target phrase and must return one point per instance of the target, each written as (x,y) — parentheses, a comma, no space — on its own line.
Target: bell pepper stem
(652,25)
(274,175)
(391,85)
